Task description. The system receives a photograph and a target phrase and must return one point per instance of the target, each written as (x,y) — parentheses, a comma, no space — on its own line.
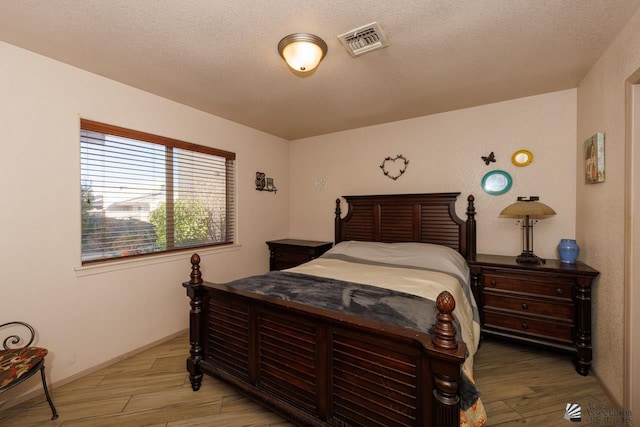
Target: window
(143,194)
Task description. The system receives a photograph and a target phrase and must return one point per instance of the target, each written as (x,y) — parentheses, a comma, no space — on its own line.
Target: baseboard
(37,391)
(606,390)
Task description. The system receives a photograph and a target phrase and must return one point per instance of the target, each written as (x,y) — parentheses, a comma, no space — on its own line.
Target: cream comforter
(422,283)
(419,269)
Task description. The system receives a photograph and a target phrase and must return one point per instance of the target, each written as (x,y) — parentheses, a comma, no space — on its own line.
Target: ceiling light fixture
(302,52)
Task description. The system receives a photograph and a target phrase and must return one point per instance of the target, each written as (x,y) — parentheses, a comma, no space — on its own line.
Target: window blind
(143,194)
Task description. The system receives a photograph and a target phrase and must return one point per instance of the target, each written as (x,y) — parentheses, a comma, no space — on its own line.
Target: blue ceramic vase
(568,250)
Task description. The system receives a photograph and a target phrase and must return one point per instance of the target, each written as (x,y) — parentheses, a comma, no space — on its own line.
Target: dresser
(547,304)
(287,253)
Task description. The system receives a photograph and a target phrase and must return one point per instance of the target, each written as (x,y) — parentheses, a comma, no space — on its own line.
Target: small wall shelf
(265,184)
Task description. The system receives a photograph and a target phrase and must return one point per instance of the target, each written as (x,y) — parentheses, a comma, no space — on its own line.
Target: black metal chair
(19,362)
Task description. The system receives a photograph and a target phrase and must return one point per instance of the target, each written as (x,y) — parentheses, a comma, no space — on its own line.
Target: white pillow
(406,254)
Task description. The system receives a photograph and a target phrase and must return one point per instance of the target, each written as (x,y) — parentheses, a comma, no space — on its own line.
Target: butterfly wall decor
(488,159)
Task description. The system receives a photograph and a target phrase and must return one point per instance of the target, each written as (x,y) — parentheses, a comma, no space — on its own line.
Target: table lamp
(529,211)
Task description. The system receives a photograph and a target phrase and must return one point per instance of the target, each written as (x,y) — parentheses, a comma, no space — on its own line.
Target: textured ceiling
(221,56)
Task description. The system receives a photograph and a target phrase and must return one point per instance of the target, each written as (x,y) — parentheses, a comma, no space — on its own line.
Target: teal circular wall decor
(496,182)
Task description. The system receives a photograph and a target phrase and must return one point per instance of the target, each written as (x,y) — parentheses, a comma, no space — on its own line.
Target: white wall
(89,316)
(444,153)
(600,218)
(77,312)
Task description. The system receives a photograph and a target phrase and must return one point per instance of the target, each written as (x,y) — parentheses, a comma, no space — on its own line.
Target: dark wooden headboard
(426,218)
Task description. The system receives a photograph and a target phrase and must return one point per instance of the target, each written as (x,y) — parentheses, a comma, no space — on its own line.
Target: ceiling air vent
(364,39)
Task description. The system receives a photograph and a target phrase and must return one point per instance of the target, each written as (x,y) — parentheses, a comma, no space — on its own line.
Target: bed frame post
(445,376)
(471,229)
(338,223)
(445,331)
(194,292)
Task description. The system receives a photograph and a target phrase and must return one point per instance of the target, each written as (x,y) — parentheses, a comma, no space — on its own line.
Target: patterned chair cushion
(17,362)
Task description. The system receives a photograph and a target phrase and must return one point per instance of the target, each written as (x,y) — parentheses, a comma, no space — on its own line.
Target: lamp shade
(523,208)
(302,52)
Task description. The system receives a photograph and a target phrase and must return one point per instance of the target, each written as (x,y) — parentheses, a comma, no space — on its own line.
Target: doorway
(632,246)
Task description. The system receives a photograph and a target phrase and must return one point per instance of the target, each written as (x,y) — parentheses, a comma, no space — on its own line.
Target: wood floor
(519,385)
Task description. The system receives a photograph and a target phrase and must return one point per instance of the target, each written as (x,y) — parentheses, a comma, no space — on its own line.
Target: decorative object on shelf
(528,212)
(302,52)
(522,158)
(270,185)
(260,181)
(491,158)
(394,167)
(568,250)
(264,184)
(496,182)
(594,159)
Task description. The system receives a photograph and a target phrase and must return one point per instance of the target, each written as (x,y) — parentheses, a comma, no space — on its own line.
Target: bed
(353,338)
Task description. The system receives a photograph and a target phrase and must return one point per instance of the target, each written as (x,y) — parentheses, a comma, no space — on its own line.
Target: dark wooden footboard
(322,368)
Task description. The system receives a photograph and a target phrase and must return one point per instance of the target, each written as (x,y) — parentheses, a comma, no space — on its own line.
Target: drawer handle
(559,291)
(525,326)
(525,306)
(493,283)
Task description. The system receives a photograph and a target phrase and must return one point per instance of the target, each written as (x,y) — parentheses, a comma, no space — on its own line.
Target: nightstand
(287,253)
(547,304)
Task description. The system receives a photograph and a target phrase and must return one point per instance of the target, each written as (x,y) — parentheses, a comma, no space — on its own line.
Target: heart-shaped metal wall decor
(394,167)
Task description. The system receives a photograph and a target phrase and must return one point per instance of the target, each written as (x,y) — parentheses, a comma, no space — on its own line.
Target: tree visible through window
(143,193)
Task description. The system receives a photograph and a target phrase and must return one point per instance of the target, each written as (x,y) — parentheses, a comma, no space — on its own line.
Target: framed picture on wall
(594,159)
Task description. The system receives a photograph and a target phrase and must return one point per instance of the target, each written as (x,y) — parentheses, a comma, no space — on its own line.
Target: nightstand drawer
(558,331)
(281,259)
(529,306)
(292,255)
(555,287)
(288,253)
